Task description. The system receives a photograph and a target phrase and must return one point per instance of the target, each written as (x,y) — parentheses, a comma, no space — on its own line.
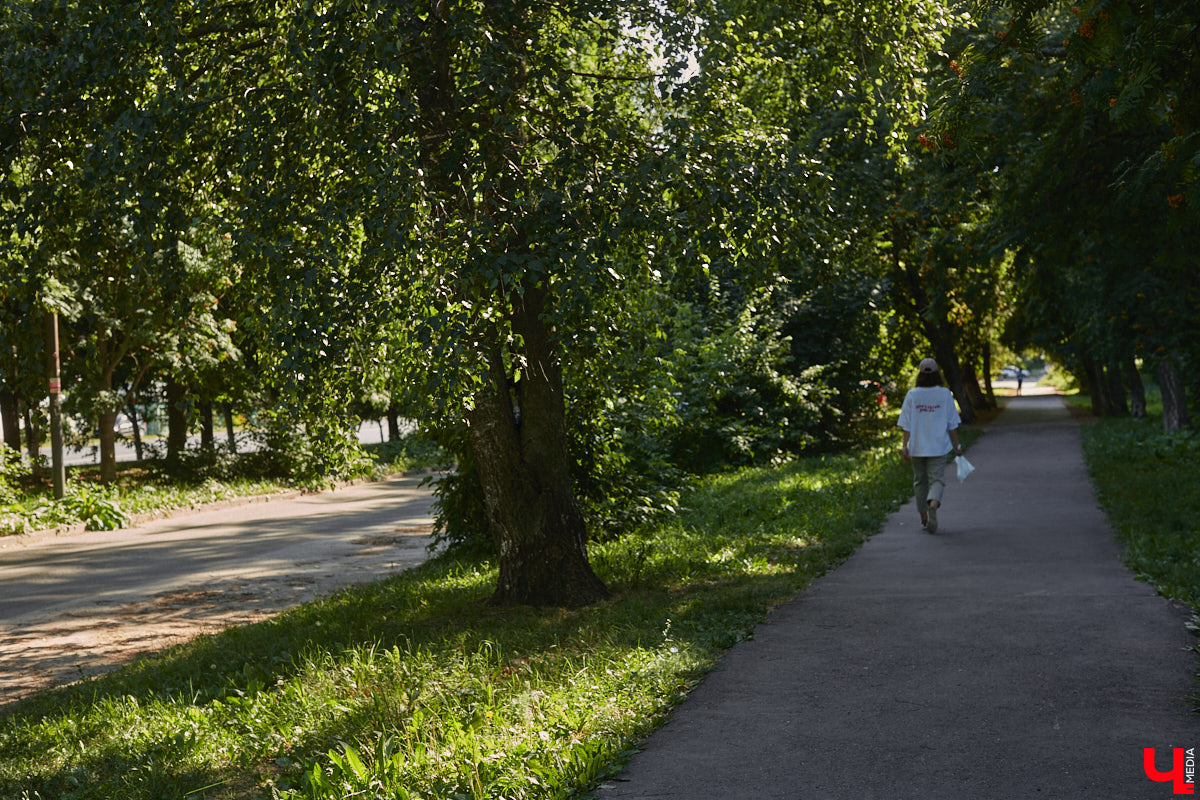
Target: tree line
(591,247)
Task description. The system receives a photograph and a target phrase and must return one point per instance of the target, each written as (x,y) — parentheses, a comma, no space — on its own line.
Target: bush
(11,472)
(738,403)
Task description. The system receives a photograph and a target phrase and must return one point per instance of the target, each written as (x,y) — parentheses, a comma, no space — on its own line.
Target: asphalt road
(105,595)
(370,432)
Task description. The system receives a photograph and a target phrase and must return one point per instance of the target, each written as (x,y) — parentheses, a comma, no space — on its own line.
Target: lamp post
(58,467)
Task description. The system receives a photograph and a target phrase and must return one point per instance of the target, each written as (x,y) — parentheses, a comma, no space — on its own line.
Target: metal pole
(59,468)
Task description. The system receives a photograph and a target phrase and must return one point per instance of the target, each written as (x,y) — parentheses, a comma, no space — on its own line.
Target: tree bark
(524,467)
(108,445)
(393,420)
(207,440)
(971,385)
(33,440)
(1096,385)
(1117,404)
(952,371)
(1137,390)
(137,428)
(176,420)
(517,433)
(10,410)
(1175,411)
(227,411)
(987,374)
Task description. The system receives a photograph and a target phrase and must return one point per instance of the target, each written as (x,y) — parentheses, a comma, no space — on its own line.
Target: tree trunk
(176,420)
(137,427)
(33,442)
(393,420)
(227,410)
(207,440)
(1175,411)
(1117,404)
(971,385)
(108,446)
(951,370)
(519,444)
(987,375)
(10,410)
(1137,390)
(1096,385)
(524,468)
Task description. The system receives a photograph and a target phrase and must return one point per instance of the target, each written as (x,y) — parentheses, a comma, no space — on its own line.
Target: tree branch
(603,77)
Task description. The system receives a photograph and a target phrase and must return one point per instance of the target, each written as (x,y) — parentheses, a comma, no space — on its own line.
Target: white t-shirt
(929,414)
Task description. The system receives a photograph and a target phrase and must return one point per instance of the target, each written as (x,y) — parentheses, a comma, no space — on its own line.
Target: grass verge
(149,487)
(414,687)
(1146,481)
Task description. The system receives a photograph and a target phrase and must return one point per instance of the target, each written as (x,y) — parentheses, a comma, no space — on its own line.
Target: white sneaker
(932,525)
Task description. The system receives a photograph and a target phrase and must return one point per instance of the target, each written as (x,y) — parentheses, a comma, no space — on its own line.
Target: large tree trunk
(524,467)
(393,420)
(1096,385)
(1175,411)
(10,410)
(987,374)
(519,443)
(971,385)
(176,420)
(108,445)
(1137,390)
(1117,404)
(947,359)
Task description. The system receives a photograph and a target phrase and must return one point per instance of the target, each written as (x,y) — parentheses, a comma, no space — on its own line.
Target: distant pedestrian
(1020,380)
(929,418)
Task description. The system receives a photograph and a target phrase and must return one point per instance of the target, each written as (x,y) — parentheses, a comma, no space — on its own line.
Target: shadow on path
(74,606)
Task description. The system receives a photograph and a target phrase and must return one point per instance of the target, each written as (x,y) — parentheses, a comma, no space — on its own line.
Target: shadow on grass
(747,542)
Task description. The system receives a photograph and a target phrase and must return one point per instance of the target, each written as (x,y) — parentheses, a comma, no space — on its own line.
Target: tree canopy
(589,246)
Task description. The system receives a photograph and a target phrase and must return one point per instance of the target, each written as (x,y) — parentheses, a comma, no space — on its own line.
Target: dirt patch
(401,536)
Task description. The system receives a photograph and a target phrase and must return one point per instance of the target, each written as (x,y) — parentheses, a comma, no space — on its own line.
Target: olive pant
(929,480)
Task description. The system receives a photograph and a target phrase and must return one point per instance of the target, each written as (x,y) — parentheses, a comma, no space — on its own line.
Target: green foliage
(316,207)
(11,472)
(1089,119)
(98,510)
(414,687)
(1146,480)
(739,403)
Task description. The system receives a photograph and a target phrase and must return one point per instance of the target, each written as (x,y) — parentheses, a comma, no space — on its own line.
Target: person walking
(930,420)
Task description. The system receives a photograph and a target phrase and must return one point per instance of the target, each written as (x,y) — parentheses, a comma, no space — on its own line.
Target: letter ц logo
(1183,769)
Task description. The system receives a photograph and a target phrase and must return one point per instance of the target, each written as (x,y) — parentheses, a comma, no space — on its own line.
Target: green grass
(414,687)
(1147,482)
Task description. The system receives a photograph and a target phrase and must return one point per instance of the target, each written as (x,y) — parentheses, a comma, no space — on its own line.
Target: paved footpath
(1011,656)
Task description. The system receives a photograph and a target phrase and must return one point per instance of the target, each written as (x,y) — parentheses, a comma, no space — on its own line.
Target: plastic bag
(965,467)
